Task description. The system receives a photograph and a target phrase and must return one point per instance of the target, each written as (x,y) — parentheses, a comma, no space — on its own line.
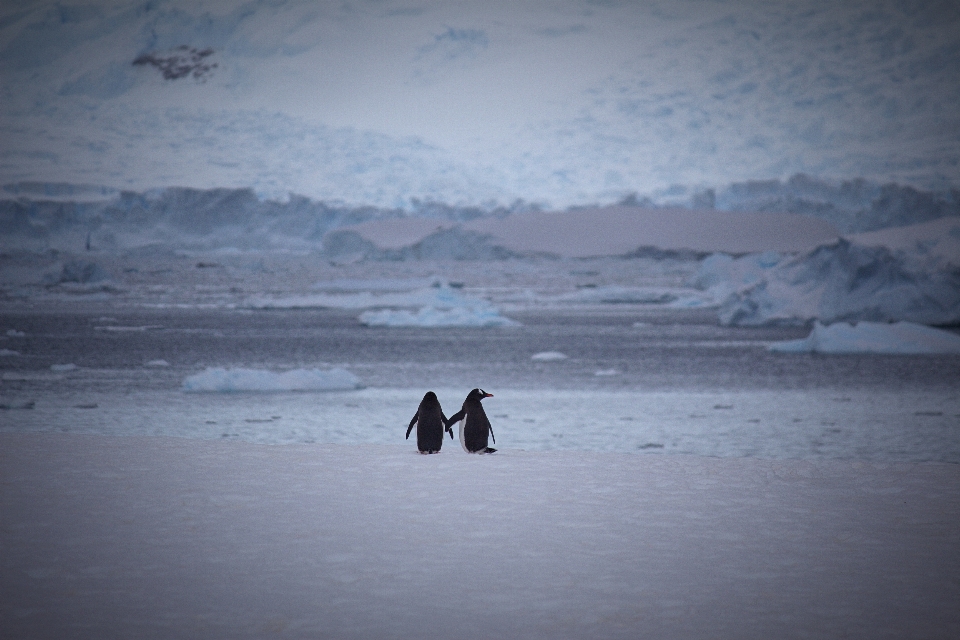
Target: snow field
(168,537)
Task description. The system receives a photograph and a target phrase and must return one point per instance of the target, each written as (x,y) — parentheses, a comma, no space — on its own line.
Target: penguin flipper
(446,425)
(412,422)
(494,438)
(457,417)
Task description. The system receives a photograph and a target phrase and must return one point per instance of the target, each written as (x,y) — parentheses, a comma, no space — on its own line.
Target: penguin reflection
(474,424)
(430,423)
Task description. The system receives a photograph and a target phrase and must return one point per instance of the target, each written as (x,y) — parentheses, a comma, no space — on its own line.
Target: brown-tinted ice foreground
(157,537)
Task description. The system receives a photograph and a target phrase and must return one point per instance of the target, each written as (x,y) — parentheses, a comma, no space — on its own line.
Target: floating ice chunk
(872,337)
(157,363)
(474,316)
(9,352)
(63,367)
(13,333)
(216,379)
(607,372)
(547,356)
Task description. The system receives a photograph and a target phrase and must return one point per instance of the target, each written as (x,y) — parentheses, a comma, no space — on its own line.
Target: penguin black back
(431,424)
(475,427)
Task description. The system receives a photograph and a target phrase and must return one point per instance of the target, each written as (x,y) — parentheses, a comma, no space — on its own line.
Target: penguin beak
(487,395)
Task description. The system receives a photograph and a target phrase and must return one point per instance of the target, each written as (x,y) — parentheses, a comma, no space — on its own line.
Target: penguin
(431,424)
(474,425)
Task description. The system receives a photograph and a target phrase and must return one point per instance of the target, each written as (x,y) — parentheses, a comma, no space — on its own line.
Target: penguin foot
(429,452)
(488,450)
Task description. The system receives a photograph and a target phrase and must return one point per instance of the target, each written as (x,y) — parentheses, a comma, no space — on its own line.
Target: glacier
(469,103)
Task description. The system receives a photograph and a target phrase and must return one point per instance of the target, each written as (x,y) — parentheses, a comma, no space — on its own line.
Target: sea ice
(232,380)
(9,352)
(172,537)
(441,297)
(463,316)
(872,337)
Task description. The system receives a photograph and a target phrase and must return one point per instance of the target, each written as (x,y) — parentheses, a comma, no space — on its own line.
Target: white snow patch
(328,541)
(548,356)
(873,337)
(157,363)
(233,380)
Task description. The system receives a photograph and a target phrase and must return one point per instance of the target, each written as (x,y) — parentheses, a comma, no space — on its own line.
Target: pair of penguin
(474,424)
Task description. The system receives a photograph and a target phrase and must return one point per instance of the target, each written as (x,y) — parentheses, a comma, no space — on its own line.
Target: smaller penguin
(431,424)
(474,424)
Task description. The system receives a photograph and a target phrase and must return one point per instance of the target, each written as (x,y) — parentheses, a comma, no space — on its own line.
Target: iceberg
(873,337)
(842,281)
(215,379)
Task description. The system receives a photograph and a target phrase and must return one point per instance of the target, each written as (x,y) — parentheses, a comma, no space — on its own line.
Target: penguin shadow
(474,427)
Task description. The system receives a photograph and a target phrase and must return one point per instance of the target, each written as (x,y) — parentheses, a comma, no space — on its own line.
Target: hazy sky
(564,102)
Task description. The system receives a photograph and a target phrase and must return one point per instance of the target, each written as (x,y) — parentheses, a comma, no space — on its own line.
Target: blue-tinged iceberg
(910,273)
(215,379)
(873,337)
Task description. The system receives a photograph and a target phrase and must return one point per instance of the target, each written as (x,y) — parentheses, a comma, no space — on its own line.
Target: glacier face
(561,103)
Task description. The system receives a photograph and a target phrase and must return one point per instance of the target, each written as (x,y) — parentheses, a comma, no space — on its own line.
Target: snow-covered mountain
(469,103)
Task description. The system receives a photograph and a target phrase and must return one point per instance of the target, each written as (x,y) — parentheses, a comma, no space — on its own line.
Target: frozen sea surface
(173,538)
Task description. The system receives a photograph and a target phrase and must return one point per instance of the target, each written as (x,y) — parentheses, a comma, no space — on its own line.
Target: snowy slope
(467,102)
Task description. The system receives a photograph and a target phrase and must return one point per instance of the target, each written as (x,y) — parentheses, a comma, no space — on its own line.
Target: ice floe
(548,356)
(215,379)
(873,337)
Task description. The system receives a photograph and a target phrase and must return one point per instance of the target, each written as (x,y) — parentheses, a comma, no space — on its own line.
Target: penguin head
(478,394)
(430,396)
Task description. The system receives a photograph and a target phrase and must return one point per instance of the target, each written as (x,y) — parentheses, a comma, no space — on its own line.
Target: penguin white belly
(463,442)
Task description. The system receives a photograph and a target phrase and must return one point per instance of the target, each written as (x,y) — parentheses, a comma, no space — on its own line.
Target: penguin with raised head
(474,424)
(431,424)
